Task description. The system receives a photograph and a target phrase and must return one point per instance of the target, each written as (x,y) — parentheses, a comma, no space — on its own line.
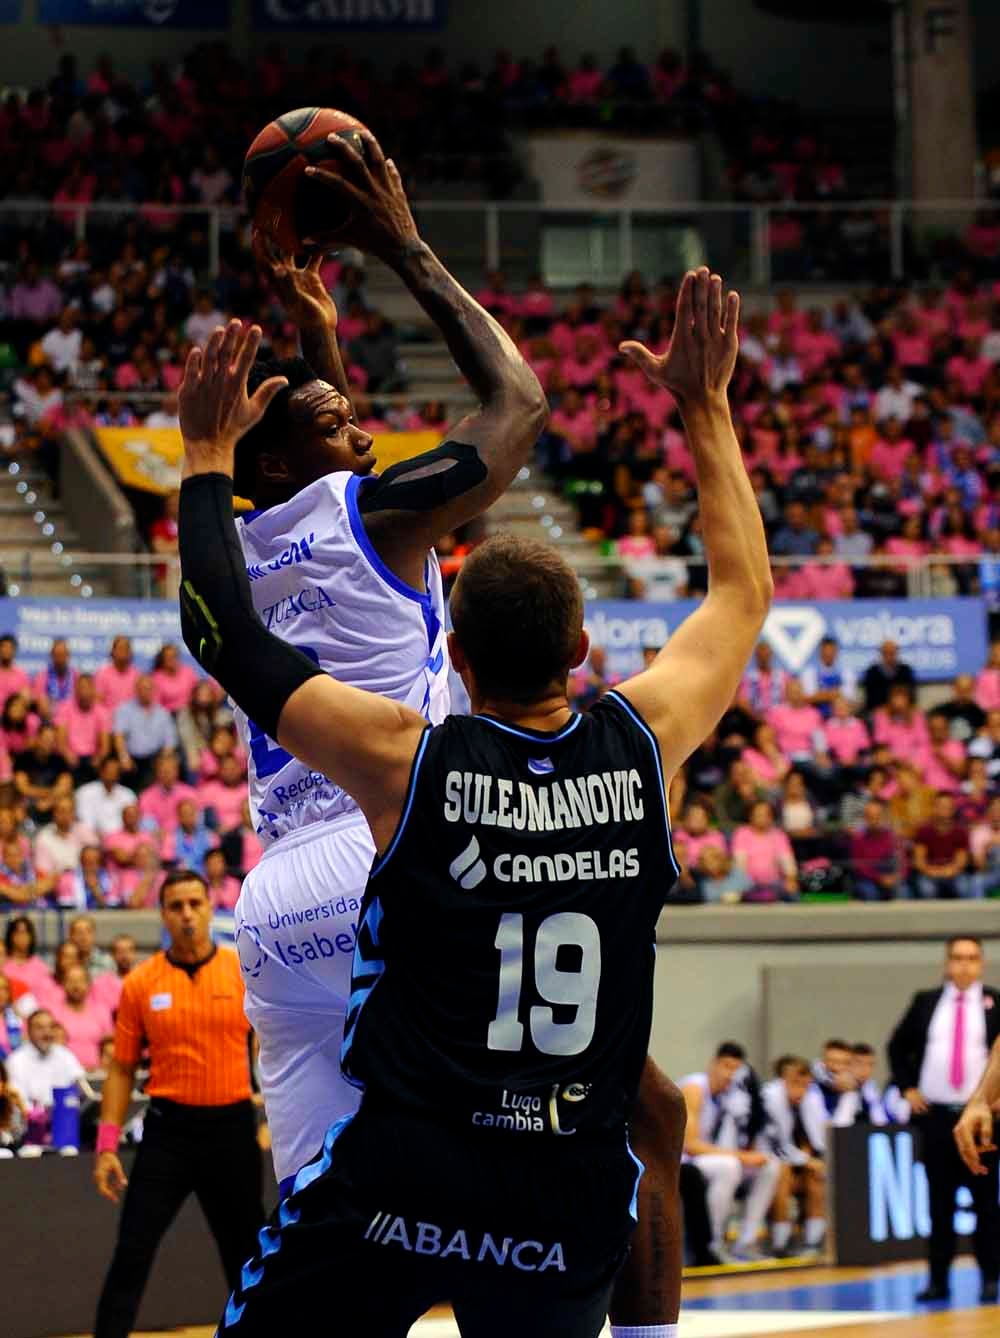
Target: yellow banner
(150,458)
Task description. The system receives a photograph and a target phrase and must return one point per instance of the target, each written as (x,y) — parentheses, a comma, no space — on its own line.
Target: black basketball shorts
(399,1214)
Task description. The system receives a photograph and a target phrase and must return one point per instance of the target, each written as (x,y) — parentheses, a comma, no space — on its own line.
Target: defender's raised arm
(687,688)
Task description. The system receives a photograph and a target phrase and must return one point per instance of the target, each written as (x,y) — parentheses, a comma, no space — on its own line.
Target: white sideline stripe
(719,1323)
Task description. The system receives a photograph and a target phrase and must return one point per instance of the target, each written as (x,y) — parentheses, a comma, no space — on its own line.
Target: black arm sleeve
(218,620)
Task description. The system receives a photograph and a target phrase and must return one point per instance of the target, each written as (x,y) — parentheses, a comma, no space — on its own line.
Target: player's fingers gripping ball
(286,204)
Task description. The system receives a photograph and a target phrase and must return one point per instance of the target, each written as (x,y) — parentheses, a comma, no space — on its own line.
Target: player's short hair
(792,1064)
(517,610)
(181,876)
(963,938)
(862,1048)
(268,433)
(836,1044)
(731,1050)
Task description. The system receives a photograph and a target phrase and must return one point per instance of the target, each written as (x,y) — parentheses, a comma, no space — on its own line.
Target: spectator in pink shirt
(969,368)
(814,345)
(845,736)
(140,885)
(768,765)
(18,723)
(765,854)
(159,803)
(901,726)
(119,847)
(13,679)
(638,543)
(535,305)
(115,681)
(575,424)
(83,730)
(586,364)
(54,684)
(909,542)
(222,744)
(988,681)
(173,679)
(107,987)
(585,81)
(787,320)
(944,763)
(696,834)
(911,344)
(23,963)
(495,297)
(888,455)
(223,888)
(796,723)
(224,795)
(86,1020)
(827,580)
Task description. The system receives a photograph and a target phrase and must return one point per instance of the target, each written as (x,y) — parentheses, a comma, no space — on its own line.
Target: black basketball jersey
(504,967)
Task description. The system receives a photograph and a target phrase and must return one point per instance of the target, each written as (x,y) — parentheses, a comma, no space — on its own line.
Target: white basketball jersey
(318,583)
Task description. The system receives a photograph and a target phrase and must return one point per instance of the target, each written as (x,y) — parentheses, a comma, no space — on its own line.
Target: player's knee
(730,1172)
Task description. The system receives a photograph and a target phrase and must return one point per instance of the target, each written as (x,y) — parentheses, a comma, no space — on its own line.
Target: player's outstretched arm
(363,742)
(689,685)
(512,406)
(308,305)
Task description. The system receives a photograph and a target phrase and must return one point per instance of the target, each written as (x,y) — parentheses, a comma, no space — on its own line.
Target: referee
(199,1136)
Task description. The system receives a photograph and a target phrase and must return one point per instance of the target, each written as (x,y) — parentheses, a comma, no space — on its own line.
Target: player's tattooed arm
(512,408)
(304,296)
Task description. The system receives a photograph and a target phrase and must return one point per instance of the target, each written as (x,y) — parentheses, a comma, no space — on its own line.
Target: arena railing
(142,575)
(753,243)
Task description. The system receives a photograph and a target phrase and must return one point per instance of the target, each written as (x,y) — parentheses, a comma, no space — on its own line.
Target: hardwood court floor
(815,1303)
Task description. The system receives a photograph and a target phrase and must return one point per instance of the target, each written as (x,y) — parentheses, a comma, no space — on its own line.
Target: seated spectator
(53,685)
(85,1019)
(828,679)
(11,1020)
(107,988)
(852,542)
(845,737)
(736,796)
(120,846)
(83,730)
(941,852)
(23,963)
(143,729)
(871,1104)
(191,840)
(90,886)
(13,679)
(141,882)
(101,802)
(984,848)
(41,775)
(158,804)
(638,542)
(726,1167)
(986,744)
(836,1083)
(222,798)
(696,833)
(795,538)
(50,990)
(83,932)
(963,713)
(797,725)
(798,816)
(764,852)
(913,803)
(975,793)
(116,680)
(944,765)
(768,765)
(376,351)
(173,680)
(796,1130)
(720,879)
(223,888)
(763,684)
(59,843)
(887,672)
(198,722)
(876,859)
(901,726)
(39,1067)
(20,883)
(988,681)
(241,845)
(203,319)
(826,580)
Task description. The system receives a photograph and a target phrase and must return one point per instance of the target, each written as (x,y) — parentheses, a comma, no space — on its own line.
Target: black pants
(211,1152)
(697,1227)
(945,1173)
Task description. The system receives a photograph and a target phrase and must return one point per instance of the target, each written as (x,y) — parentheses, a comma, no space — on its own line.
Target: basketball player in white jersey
(341,566)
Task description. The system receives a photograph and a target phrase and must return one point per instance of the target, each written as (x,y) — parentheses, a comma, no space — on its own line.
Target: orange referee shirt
(194,1025)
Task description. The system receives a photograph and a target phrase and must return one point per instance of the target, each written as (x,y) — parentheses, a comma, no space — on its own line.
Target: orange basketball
(284,203)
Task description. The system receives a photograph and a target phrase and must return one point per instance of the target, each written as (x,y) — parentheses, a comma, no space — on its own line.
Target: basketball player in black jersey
(503,979)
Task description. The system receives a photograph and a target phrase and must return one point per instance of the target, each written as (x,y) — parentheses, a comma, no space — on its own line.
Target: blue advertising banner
(398,15)
(939,638)
(89,625)
(137,13)
(10,11)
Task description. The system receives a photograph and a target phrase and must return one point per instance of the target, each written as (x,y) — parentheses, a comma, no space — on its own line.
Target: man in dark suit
(884,674)
(937,1055)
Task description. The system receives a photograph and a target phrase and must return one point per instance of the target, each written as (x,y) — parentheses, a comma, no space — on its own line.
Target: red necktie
(956,1073)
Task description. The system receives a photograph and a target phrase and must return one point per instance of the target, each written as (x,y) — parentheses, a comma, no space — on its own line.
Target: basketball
(282,200)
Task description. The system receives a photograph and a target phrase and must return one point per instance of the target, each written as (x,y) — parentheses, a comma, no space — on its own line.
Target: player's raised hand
(213,405)
(974,1135)
(300,288)
(702,353)
(380,220)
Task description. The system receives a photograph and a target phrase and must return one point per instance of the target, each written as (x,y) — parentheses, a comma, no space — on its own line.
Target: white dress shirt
(101,809)
(35,1075)
(935,1073)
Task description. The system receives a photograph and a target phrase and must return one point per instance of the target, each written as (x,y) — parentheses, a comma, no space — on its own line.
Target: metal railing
(817,242)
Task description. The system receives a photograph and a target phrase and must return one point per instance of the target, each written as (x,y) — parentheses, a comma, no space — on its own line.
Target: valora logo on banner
(795,634)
